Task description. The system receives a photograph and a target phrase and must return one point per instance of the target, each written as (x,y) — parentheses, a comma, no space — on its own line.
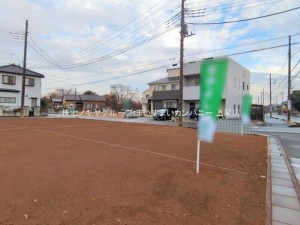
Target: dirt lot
(77,172)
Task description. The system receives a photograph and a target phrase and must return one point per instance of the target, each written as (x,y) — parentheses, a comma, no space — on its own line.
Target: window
(170,104)
(247,87)
(8,79)
(175,87)
(33,102)
(234,82)
(7,100)
(197,81)
(161,87)
(29,82)
(239,84)
(243,85)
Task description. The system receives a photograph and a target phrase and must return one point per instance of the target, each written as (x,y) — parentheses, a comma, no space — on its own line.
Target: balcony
(191,93)
(165,95)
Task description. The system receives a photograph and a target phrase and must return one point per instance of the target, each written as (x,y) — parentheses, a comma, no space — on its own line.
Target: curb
(268,187)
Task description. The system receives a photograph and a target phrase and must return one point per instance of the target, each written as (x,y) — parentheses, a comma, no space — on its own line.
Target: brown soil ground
(77,172)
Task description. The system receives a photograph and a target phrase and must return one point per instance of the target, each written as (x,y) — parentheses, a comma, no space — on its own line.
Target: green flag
(213,74)
(246,108)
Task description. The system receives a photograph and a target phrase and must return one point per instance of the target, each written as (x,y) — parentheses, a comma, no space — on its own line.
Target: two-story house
(11,86)
(164,93)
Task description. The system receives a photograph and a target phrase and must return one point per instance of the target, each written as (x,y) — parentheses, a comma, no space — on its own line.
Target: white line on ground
(131,148)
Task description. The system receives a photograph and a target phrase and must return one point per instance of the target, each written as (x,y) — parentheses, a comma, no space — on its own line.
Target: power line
(243,20)
(220,8)
(118,35)
(152,69)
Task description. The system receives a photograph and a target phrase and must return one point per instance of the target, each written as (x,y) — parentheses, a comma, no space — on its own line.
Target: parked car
(164,114)
(130,114)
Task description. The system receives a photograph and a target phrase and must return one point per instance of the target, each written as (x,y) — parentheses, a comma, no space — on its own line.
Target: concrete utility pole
(182,34)
(263,97)
(270,96)
(24,70)
(289,83)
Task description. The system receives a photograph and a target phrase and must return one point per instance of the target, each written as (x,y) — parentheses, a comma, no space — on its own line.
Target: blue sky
(104,32)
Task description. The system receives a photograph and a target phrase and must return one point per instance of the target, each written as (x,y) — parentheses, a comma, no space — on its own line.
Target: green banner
(246,108)
(213,74)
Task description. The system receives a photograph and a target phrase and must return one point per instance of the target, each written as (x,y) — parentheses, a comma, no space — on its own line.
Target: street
(288,136)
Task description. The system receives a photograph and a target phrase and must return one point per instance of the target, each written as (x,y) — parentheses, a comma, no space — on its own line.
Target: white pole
(198,157)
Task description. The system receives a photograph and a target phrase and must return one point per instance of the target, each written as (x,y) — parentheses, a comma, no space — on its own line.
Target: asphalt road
(288,136)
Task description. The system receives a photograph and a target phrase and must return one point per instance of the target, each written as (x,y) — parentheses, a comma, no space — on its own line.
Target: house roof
(18,70)
(56,99)
(94,98)
(9,90)
(71,97)
(165,80)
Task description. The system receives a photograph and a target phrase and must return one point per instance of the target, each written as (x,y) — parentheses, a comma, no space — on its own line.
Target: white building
(164,93)
(11,87)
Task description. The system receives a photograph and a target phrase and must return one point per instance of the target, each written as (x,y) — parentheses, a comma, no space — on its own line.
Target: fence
(228,125)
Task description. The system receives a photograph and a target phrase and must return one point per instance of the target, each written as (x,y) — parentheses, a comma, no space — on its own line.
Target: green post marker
(213,74)
(246,108)
(246,111)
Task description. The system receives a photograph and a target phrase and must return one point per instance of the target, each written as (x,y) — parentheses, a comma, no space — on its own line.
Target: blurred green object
(213,74)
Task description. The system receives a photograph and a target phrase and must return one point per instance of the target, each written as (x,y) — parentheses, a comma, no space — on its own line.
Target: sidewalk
(282,190)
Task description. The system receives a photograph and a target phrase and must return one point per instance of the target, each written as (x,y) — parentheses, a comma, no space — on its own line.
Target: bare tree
(118,94)
(59,92)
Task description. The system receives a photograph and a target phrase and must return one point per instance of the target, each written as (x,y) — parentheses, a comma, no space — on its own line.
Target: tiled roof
(165,80)
(18,70)
(71,97)
(92,98)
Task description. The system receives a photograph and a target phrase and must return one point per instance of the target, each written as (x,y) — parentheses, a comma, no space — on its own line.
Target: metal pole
(24,71)
(289,83)
(182,33)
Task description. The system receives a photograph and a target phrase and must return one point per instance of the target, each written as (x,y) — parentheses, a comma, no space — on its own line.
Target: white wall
(191,68)
(191,93)
(233,91)
(30,92)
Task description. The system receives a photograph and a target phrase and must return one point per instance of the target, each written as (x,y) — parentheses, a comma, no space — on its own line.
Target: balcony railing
(165,95)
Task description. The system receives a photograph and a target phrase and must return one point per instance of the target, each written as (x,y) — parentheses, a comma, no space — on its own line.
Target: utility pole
(24,70)
(289,83)
(270,96)
(75,100)
(182,34)
(263,97)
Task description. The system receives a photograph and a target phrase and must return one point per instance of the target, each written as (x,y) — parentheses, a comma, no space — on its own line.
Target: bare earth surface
(77,172)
